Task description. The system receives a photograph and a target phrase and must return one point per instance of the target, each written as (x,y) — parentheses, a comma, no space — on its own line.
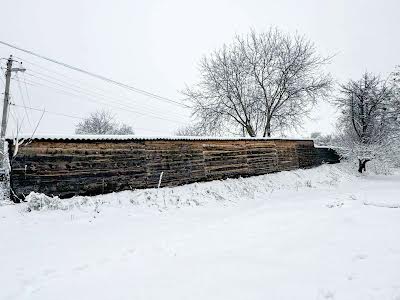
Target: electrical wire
(86,91)
(79,89)
(16,119)
(67,93)
(46,111)
(23,100)
(1,77)
(26,90)
(67,115)
(129,87)
(58,74)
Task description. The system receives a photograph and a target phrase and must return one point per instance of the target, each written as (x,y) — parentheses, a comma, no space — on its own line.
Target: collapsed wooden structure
(89,165)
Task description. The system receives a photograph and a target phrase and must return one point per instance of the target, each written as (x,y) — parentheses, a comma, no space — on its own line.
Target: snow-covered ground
(308,234)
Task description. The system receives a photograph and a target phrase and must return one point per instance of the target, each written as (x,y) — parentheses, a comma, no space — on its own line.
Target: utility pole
(6,103)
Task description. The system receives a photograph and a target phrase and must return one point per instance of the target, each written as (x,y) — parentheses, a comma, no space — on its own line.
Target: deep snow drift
(321,233)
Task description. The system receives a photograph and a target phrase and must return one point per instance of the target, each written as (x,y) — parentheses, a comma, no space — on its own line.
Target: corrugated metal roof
(84,137)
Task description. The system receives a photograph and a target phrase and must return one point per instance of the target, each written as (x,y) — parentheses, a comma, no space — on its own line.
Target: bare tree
(102,122)
(224,97)
(190,130)
(321,139)
(369,122)
(124,129)
(395,83)
(259,84)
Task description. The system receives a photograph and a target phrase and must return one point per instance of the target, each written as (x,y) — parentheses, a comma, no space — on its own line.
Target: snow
(322,233)
(138,137)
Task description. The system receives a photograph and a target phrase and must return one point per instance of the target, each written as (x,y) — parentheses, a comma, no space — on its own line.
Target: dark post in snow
(6,103)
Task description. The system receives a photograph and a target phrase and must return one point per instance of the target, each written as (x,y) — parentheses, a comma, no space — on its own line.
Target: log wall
(88,167)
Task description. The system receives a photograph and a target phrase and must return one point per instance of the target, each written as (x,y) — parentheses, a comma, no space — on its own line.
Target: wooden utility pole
(6,104)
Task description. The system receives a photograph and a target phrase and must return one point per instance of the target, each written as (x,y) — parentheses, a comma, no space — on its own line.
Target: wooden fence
(86,166)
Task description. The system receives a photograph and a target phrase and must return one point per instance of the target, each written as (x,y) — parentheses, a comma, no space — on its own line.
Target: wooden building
(90,165)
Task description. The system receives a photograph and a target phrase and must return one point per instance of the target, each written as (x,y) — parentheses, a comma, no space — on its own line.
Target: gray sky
(156,46)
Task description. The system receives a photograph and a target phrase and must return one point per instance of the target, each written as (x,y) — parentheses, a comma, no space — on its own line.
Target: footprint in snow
(351,277)
(48,272)
(326,294)
(130,251)
(335,204)
(360,257)
(126,254)
(81,267)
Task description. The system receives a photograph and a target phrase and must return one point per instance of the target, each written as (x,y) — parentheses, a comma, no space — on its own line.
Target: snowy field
(323,233)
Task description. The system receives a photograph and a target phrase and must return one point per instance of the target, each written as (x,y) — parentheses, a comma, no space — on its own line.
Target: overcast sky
(156,46)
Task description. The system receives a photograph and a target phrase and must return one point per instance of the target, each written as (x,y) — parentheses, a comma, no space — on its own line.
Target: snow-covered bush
(369,125)
(37,201)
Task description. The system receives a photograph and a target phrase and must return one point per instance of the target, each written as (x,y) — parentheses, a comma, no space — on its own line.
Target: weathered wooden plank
(82,167)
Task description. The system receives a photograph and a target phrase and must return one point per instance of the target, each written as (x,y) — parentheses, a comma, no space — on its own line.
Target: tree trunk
(250,131)
(267,131)
(361,164)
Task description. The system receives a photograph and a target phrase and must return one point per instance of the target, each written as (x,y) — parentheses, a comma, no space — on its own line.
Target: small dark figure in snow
(361,164)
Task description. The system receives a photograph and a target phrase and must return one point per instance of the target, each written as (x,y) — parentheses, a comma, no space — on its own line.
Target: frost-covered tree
(259,84)
(102,122)
(369,121)
(321,139)
(123,129)
(395,111)
(395,82)
(191,130)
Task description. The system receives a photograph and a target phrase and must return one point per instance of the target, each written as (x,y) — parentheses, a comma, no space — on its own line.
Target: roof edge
(83,137)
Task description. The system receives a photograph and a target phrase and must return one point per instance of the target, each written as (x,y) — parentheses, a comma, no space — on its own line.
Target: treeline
(264,84)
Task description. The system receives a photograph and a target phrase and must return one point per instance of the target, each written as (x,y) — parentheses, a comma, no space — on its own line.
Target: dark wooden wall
(88,167)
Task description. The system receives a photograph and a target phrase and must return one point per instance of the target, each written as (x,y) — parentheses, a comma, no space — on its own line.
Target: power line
(85,91)
(1,77)
(23,100)
(141,91)
(26,90)
(68,116)
(126,108)
(57,73)
(50,112)
(92,89)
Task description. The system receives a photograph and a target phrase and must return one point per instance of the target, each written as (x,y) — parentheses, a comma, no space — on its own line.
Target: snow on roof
(85,137)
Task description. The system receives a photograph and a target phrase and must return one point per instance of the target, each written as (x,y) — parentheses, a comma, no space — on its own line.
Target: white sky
(156,46)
